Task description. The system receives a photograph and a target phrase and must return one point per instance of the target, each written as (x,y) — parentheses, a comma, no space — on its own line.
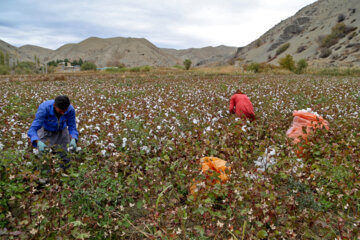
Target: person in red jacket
(240,105)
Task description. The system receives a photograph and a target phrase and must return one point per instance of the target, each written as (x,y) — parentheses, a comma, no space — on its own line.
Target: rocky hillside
(204,56)
(326,33)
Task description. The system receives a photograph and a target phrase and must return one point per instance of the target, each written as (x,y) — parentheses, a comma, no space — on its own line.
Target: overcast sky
(176,24)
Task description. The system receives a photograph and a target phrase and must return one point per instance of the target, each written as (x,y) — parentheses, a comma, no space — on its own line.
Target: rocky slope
(326,33)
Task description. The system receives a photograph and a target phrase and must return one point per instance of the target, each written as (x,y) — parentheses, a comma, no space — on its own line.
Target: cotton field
(140,140)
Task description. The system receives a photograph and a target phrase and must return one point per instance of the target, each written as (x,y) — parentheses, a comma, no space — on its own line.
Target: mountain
(128,51)
(28,52)
(105,52)
(326,33)
(204,56)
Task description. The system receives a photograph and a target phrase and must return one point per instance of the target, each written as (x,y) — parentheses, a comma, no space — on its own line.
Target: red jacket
(243,106)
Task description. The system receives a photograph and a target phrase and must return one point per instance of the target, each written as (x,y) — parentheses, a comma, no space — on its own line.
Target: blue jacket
(46,117)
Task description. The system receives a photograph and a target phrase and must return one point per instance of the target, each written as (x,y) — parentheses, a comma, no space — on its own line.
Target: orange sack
(311,121)
(217,165)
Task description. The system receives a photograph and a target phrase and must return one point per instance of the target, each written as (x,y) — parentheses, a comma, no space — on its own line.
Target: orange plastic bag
(310,121)
(217,165)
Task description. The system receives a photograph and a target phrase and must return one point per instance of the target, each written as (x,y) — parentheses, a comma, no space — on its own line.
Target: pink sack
(305,119)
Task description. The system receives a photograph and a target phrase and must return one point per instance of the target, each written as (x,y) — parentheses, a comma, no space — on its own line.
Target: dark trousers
(58,141)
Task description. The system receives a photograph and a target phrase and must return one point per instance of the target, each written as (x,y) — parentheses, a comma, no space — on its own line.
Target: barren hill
(128,51)
(204,56)
(326,33)
(30,51)
(12,51)
(105,52)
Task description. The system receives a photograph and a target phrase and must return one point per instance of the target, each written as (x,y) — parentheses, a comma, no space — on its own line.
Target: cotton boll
(124,140)
(103,152)
(243,128)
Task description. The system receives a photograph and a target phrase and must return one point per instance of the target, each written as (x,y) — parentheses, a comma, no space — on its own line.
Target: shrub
(355,72)
(301,49)
(4,70)
(135,69)
(179,66)
(145,68)
(258,43)
(325,52)
(115,70)
(254,67)
(258,67)
(337,32)
(341,17)
(187,64)
(25,68)
(88,66)
(287,62)
(282,48)
(301,66)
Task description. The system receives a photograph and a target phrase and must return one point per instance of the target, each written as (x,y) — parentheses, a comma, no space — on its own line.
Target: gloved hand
(41,146)
(73,143)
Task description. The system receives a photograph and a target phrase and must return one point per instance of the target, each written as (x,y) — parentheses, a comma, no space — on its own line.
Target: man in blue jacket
(55,126)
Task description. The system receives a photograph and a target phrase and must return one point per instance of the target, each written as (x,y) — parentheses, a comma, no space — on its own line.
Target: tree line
(10,65)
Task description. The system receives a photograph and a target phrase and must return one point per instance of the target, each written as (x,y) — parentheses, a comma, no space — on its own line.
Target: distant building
(67,67)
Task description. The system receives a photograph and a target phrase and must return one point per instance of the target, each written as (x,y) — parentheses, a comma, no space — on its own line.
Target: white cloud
(176,24)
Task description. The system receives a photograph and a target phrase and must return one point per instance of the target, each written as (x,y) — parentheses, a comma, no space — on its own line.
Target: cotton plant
(267,159)
(308,110)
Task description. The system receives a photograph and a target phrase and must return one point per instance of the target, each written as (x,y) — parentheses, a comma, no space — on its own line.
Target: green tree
(4,69)
(88,66)
(254,67)
(282,48)
(75,62)
(52,63)
(37,61)
(287,62)
(301,66)
(25,68)
(187,64)
(80,62)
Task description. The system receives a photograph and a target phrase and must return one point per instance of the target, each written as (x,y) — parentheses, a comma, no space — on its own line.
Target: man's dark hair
(62,102)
